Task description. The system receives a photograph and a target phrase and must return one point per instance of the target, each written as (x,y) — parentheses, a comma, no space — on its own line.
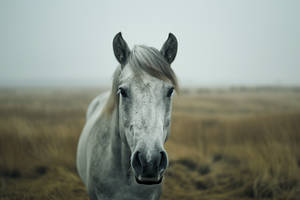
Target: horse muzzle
(149,169)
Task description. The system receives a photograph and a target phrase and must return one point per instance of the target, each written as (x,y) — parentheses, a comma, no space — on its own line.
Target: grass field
(240,143)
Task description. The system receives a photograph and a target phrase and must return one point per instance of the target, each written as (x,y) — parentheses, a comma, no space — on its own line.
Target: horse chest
(108,182)
(116,190)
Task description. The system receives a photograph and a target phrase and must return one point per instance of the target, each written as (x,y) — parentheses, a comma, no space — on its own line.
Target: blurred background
(236,120)
(220,42)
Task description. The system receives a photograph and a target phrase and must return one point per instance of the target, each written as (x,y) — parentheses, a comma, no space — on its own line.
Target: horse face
(145,105)
(144,117)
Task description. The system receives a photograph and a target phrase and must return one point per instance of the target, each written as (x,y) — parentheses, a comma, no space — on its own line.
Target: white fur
(140,121)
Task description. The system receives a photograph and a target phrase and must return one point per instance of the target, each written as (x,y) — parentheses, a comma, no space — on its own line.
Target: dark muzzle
(149,169)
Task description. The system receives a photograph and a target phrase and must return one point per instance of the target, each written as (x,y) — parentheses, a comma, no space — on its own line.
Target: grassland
(240,143)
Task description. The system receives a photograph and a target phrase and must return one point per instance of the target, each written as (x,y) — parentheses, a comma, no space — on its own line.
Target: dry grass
(225,144)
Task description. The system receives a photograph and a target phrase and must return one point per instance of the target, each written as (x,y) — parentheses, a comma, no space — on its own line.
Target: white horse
(120,153)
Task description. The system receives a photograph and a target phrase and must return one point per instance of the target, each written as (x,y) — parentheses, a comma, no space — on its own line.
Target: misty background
(221,43)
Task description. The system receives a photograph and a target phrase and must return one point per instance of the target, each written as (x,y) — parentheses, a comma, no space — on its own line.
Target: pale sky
(221,42)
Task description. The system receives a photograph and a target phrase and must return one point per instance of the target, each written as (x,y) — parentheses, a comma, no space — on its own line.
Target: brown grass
(225,144)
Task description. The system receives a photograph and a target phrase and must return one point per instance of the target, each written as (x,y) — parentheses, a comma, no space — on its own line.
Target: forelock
(150,60)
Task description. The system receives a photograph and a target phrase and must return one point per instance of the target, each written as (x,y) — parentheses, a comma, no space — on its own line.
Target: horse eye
(123,92)
(170,92)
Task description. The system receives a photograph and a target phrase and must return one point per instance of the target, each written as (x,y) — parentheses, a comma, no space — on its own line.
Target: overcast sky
(232,42)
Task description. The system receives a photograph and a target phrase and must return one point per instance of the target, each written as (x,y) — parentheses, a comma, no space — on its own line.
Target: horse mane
(142,59)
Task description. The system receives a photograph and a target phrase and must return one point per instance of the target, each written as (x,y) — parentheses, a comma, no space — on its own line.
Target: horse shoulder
(94,123)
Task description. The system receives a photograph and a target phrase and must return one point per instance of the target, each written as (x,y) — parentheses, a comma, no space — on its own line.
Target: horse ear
(169,49)
(121,49)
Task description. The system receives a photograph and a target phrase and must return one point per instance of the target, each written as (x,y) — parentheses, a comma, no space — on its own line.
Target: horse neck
(120,150)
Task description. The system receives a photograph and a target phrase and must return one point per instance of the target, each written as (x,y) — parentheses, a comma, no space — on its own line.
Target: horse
(121,154)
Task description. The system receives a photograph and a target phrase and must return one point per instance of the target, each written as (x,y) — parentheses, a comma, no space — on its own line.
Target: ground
(236,143)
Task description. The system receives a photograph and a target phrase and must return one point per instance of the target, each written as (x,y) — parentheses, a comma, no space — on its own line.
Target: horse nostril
(163,161)
(136,162)
(131,127)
